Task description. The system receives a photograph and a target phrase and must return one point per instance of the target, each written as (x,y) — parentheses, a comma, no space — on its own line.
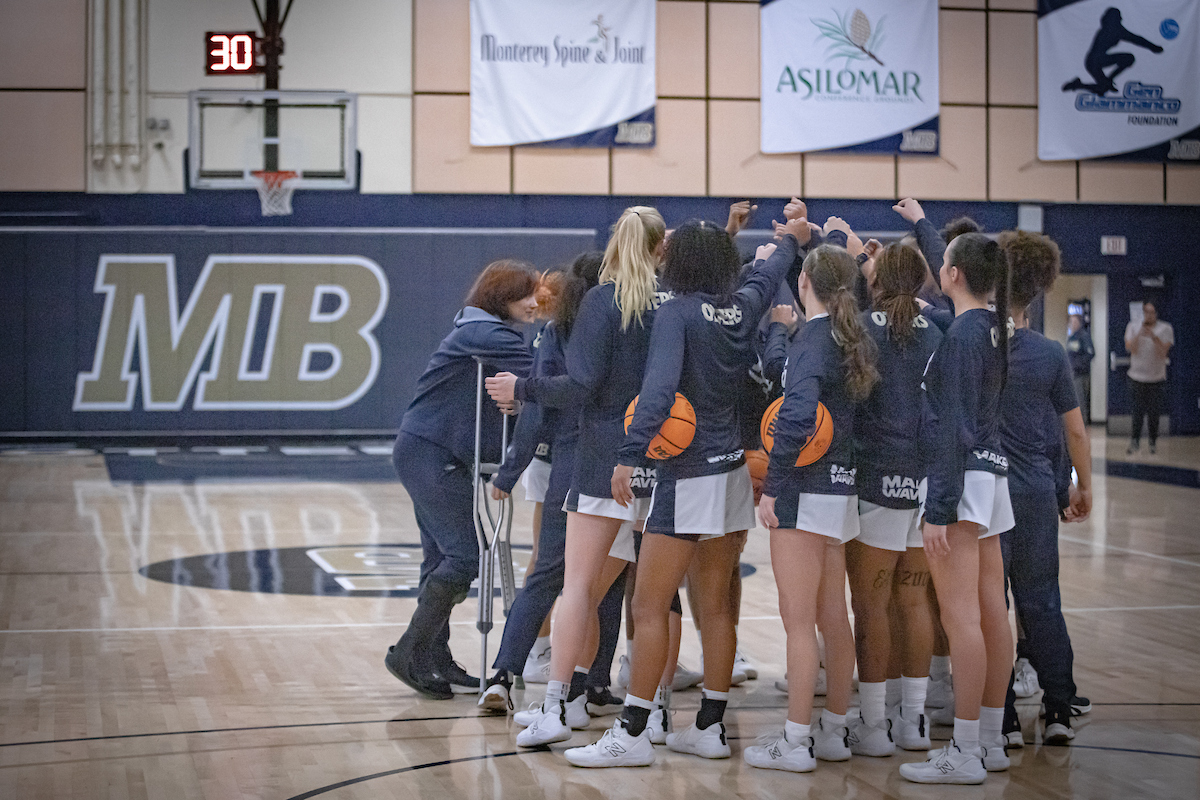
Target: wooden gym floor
(224,639)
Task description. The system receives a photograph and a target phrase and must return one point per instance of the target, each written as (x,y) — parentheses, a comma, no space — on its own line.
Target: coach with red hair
(434,454)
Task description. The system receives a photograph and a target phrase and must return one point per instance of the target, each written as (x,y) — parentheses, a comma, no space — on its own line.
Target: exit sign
(1113,246)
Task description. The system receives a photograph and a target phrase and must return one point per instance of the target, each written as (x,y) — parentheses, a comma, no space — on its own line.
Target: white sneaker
(910,735)
(819,689)
(774,751)
(1058,733)
(738,676)
(830,744)
(1025,679)
(742,667)
(941,716)
(659,725)
(550,726)
(495,699)
(994,757)
(685,678)
(948,765)
(616,748)
(537,670)
(577,715)
(707,743)
(623,673)
(1014,740)
(868,740)
(940,693)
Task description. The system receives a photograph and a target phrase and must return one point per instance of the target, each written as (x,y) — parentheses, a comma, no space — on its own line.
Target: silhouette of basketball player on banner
(1111,34)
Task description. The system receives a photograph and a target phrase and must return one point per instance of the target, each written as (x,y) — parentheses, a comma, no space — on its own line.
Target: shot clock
(232,53)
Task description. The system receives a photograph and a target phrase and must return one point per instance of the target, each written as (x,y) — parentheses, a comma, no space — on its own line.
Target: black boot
(442,663)
(406,659)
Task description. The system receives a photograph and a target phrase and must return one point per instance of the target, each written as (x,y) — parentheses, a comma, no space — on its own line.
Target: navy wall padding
(49,313)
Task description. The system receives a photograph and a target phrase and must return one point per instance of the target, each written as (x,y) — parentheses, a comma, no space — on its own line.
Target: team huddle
(906,431)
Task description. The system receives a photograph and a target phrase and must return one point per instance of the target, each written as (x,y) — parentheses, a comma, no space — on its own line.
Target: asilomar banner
(563,74)
(857,77)
(1119,79)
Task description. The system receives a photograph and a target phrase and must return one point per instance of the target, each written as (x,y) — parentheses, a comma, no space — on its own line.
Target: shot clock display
(231,53)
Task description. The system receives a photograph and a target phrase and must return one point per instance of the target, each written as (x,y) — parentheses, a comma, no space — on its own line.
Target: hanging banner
(562,74)
(1119,79)
(859,77)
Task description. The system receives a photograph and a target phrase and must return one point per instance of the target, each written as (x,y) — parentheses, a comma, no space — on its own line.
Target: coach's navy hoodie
(443,412)
(700,347)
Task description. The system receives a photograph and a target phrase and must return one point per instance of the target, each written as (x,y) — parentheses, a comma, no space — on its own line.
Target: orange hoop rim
(274,177)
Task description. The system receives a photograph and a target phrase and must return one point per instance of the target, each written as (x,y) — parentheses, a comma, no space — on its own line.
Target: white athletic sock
(796,733)
(939,668)
(991,721)
(892,697)
(584,670)
(662,698)
(912,704)
(966,734)
(638,702)
(629,649)
(871,702)
(540,645)
(556,690)
(831,721)
(711,695)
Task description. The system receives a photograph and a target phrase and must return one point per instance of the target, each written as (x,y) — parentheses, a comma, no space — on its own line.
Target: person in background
(1081,351)
(1148,344)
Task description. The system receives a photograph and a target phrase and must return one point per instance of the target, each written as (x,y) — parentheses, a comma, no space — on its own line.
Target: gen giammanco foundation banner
(566,74)
(858,76)
(1119,79)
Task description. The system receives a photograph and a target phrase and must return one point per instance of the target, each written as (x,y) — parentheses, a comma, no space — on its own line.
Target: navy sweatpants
(1031,566)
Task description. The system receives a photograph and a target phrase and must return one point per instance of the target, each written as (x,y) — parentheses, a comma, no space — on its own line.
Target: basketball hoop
(275,191)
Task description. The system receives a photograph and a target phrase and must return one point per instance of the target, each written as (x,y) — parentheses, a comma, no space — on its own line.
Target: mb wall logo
(858,77)
(256,333)
(1119,80)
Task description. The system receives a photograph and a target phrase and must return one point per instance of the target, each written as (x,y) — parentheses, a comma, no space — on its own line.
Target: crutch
(493,527)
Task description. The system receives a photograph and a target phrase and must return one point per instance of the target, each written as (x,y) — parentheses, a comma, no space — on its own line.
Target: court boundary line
(334,724)
(344,625)
(1119,549)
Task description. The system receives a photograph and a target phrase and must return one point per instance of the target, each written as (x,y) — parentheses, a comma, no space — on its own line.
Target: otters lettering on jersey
(729,315)
(880,319)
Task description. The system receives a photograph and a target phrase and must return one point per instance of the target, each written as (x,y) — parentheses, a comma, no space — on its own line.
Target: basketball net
(275,191)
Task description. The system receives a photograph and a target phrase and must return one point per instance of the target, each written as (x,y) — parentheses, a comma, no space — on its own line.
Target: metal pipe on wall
(131,89)
(96,79)
(112,83)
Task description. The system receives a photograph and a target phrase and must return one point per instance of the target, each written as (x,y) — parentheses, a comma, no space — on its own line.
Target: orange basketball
(816,445)
(676,432)
(757,461)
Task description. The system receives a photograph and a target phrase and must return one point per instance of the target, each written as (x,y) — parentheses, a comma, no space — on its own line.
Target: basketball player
(1038,403)
(967,506)
(433,456)
(812,510)
(545,580)
(606,357)
(887,453)
(700,345)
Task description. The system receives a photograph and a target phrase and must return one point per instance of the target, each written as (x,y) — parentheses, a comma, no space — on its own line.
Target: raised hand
(910,209)
(795,209)
(764,251)
(739,216)
(784,313)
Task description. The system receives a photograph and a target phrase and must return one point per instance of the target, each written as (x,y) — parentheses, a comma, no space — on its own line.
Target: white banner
(569,74)
(859,76)
(1119,78)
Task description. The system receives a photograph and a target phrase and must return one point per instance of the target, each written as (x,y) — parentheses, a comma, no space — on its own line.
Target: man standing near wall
(1081,351)
(1147,343)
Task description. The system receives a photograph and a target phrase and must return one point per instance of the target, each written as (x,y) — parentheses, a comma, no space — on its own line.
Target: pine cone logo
(851,36)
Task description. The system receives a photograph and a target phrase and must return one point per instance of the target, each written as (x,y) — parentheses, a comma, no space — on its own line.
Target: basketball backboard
(227,141)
